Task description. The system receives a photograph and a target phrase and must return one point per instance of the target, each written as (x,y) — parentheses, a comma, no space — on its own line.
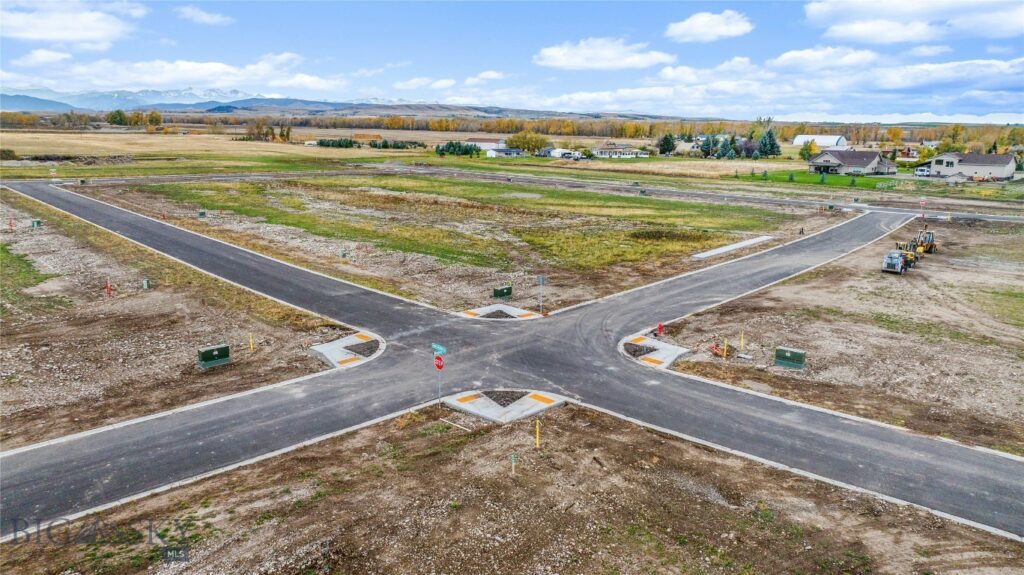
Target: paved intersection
(573,352)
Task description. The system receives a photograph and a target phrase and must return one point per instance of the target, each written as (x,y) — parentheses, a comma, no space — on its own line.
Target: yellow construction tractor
(911,253)
(926,240)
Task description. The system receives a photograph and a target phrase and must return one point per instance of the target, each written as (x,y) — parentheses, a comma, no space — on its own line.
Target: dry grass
(684,167)
(107,143)
(167,272)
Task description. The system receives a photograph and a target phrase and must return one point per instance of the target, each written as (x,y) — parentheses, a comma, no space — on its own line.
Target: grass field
(613,229)
(16,275)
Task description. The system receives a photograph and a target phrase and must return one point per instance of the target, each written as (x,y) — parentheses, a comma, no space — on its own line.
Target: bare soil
(98,359)
(454,287)
(935,350)
(420,495)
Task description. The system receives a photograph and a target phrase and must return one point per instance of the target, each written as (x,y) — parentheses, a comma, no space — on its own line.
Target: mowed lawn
(482,223)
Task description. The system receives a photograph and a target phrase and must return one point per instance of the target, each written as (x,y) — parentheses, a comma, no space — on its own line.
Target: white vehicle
(923,172)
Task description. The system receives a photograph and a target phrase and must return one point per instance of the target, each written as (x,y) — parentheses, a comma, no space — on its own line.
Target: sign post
(439,352)
(922,207)
(540,282)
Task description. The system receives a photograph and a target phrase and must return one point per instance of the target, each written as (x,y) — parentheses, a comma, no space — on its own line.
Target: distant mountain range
(192,100)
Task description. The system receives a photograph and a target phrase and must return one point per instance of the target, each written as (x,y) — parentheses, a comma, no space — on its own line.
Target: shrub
(8,154)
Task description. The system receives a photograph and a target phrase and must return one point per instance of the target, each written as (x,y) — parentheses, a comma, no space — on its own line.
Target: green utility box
(37,223)
(503,292)
(202,213)
(790,358)
(214,355)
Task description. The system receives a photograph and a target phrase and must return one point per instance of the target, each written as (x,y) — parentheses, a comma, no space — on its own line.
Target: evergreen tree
(666,145)
(768,145)
(723,149)
(707,147)
(731,155)
(117,118)
(756,155)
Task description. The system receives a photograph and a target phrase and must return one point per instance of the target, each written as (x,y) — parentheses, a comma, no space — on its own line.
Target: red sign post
(661,329)
(439,362)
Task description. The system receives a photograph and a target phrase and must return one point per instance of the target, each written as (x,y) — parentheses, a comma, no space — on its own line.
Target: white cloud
(823,57)
(308,82)
(883,31)
(168,42)
(928,19)
(484,77)
(928,50)
(1004,23)
(200,16)
(901,77)
(412,83)
(708,27)
(994,49)
(442,84)
(368,72)
(73,24)
(130,9)
(41,57)
(270,69)
(600,54)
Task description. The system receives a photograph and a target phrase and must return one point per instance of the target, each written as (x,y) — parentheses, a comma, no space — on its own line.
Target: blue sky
(852,60)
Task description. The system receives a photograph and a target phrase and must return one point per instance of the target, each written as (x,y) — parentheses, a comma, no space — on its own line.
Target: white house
(845,162)
(310,143)
(979,166)
(823,141)
(487,143)
(505,153)
(565,153)
(619,151)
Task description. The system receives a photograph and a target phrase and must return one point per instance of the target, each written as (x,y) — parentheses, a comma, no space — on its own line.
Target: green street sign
(503,292)
(439,349)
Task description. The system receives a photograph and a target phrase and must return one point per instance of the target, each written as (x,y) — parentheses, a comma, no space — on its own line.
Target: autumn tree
(529,141)
(808,150)
(894,135)
(154,118)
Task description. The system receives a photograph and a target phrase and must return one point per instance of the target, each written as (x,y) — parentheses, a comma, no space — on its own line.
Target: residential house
(613,150)
(903,154)
(972,165)
(505,153)
(822,141)
(487,143)
(849,162)
(565,154)
(310,143)
(544,152)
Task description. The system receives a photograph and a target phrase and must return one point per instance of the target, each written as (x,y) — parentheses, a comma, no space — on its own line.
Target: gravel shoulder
(92,359)
(420,495)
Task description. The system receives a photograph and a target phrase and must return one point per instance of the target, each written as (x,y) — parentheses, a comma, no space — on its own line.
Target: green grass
(699,215)
(253,200)
(621,229)
(17,274)
(155,165)
(803,177)
(589,250)
(1006,305)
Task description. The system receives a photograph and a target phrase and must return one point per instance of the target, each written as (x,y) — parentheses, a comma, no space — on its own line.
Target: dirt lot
(939,350)
(74,358)
(451,246)
(420,495)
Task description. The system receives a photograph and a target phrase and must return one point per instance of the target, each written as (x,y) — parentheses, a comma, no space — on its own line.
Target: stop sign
(439,362)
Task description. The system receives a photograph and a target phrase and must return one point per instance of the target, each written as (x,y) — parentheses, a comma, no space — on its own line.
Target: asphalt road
(573,352)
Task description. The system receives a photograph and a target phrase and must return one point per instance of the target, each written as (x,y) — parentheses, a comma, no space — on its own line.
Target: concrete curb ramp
(478,404)
(662,356)
(516,313)
(335,354)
